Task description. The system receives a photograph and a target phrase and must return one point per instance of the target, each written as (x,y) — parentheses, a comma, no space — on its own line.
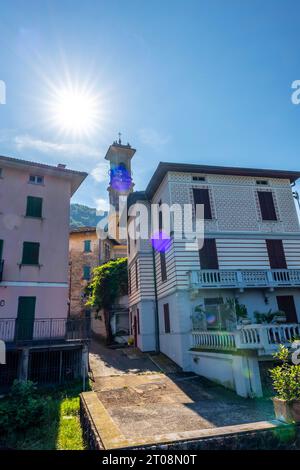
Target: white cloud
(23,142)
(100,172)
(153,138)
(101,204)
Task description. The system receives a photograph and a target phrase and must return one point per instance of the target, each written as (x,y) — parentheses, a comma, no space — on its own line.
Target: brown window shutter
(208,254)
(276,254)
(163,266)
(167,318)
(138,321)
(201,196)
(267,206)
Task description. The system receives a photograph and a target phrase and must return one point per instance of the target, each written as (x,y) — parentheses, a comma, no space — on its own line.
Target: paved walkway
(145,398)
(106,362)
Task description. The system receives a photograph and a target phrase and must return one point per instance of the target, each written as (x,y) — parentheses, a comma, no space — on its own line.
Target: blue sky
(186,81)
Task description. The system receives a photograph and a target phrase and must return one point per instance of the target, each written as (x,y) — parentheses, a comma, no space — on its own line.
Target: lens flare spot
(120,179)
(211,318)
(161,242)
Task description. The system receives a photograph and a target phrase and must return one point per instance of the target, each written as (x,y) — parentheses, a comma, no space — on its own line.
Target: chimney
(61,165)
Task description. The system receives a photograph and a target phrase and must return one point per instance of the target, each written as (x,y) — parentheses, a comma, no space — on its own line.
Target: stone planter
(280,319)
(245,322)
(287,411)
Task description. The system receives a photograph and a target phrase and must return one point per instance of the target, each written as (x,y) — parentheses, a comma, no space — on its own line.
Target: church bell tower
(120,180)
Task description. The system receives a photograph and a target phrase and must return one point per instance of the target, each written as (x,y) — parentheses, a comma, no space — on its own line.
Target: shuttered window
(201,196)
(208,255)
(267,207)
(138,321)
(1,249)
(129,281)
(34,206)
(136,276)
(167,318)
(30,253)
(86,273)
(87,246)
(163,266)
(276,254)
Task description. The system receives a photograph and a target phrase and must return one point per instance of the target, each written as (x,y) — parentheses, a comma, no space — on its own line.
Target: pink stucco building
(34,238)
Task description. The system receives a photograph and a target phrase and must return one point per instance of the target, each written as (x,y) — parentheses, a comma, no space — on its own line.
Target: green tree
(109,281)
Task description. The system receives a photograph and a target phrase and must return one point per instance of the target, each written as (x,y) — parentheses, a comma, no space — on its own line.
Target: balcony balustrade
(211,278)
(44,330)
(263,338)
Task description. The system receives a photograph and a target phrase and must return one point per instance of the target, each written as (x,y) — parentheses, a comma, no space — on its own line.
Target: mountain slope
(81,216)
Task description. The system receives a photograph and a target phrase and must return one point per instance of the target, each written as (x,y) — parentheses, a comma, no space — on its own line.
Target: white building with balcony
(222,310)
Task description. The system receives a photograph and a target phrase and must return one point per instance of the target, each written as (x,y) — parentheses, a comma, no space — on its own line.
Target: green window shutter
(86,273)
(34,206)
(1,249)
(87,245)
(30,253)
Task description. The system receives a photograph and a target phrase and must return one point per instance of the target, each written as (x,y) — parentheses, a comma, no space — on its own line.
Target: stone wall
(90,435)
(284,437)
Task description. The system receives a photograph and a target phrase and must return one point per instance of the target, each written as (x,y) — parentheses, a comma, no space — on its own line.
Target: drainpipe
(157,345)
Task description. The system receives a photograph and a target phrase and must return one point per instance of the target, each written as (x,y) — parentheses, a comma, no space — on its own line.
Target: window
(1,249)
(201,196)
(276,254)
(138,321)
(1,173)
(213,312)
(128,244)
(267,206)
(35,179)
(160,221)
(129,281)
(107,252)
(30,253)
(198,178)
(262,182)
(86,273)
(87,246)
(167,318)
(208,255)
(163,266)
(136,276)
(34,207)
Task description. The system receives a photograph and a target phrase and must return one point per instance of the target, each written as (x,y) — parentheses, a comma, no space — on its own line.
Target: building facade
(87,251)
(34,236)
(222,309)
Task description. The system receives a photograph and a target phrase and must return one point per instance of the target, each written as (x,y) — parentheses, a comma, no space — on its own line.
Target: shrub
(286,377)
(24,408)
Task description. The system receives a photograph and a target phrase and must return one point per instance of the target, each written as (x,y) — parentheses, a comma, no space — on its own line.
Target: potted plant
(264,317)
(242,313)
(279,317)
(286,382)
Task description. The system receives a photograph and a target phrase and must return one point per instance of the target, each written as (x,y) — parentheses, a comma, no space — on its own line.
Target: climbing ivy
(109,281)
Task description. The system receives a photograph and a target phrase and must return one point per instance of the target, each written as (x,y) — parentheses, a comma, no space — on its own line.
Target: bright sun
(75,110)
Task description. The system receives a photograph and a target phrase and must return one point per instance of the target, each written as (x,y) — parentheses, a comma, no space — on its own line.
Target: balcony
(242,279)
(263,338)
(44,331)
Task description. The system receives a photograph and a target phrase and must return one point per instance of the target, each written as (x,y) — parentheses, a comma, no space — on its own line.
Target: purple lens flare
(161,242)
(120,179)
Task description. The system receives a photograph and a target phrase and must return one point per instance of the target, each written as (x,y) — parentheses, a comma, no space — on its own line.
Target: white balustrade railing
(214,339)
(264,338)
(244,278)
